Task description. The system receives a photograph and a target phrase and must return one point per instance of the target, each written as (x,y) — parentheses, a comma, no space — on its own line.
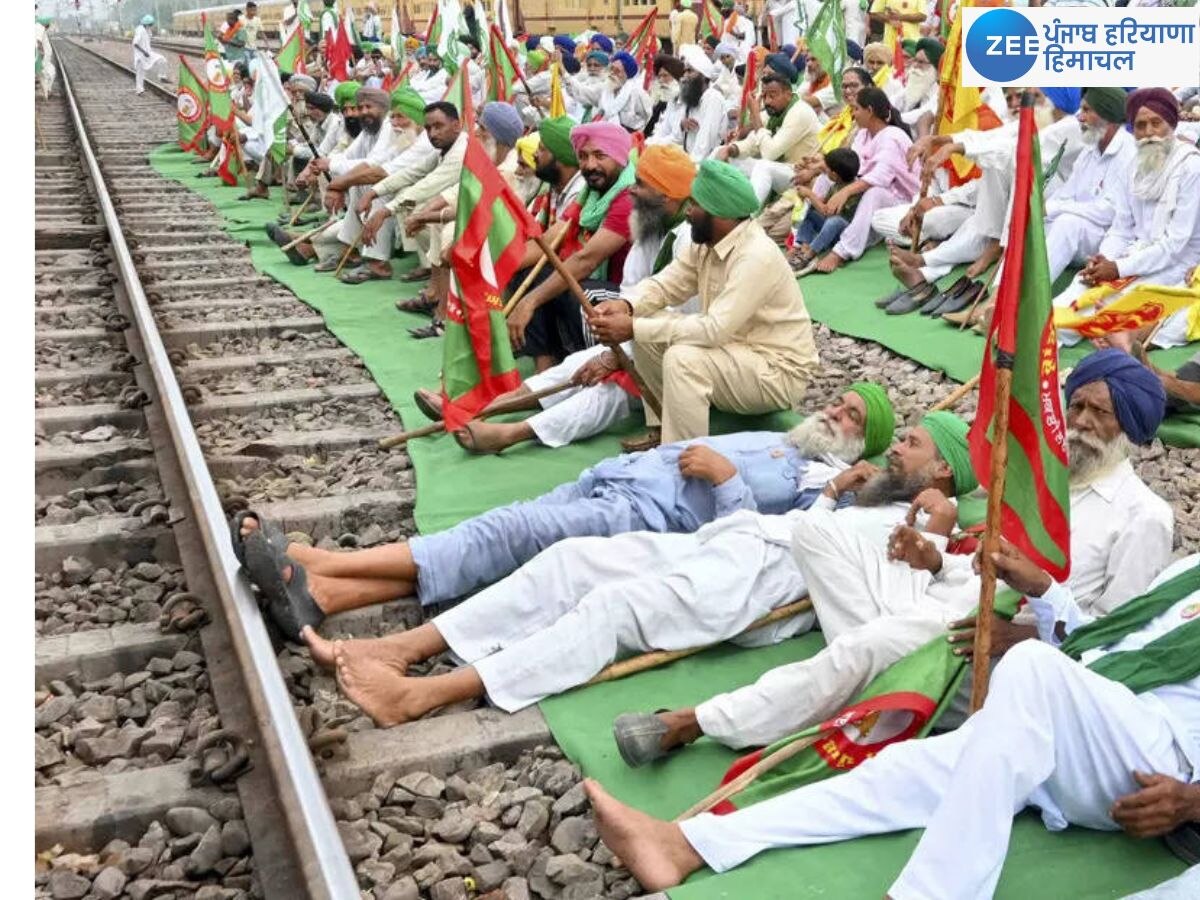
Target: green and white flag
(826,38)
(453,26)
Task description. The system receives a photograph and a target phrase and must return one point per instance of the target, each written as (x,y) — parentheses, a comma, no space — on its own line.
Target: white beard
(1090,136)
(917,87)
(1091,458)
(1043,115)
(1150,176)
(664,93)
(816,437)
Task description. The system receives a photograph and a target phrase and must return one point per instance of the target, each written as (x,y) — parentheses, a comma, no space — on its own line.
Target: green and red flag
(490,233)
(220,106)
(1035,514)
(502,68)
(904,701)
(291,54)
(231,167)
(191,107)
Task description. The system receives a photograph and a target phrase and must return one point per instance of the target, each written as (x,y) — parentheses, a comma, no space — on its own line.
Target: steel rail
(307,817)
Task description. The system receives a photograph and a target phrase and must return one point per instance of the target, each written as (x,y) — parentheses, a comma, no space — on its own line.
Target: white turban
(695,58)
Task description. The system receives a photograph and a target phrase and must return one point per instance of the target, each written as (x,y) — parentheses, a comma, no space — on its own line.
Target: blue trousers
(485,548)
(818,231)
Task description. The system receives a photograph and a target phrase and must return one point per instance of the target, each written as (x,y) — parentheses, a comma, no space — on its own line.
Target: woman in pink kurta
(885,177)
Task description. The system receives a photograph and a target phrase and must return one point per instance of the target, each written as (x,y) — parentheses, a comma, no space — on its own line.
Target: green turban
(949,433)
(407,101)
(1108,102)
(346,92)
(910,47)
(880,423)
(933,49)
(43,20)
(535,58)
(556,137)
(724,191)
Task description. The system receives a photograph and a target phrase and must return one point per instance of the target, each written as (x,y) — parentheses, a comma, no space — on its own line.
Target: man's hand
(335,201)
(699,461)
(1018,571)
(937,506)
(365,201)
(595,369)
(689,124)
(518,320)
(722,152)
(612,308)
(1005,635)
(838,201)
(937,159)
(1098,270)
(320,164)
(374,222)
(612,327)
(920,148)
(909,546)
(1162,805)
(852,479)
(415,221)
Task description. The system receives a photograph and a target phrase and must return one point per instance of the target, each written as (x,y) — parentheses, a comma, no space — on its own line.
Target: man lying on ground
(561,618)
(1121,535)
(1097,724)
(676,488)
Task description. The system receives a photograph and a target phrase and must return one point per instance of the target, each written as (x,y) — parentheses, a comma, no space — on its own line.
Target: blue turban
(783,65)
(854,51)
(1138,397)
(531,42)
(628,63)
(571,64)
(789,50)
(502,121)
(1067,99)
(603,42)
(564,43)
(600,56)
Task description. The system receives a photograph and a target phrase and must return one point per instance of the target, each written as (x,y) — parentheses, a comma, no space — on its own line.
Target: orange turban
(667,169)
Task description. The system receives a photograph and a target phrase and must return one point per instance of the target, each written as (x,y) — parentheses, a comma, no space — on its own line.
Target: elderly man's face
(401,122)
(921,62)
(600,170)
(1090,412)
(914,453)
(595,68)
(1149,124)
(317,114)
(443,131)
(873,64)
(847,414)
(616,74)
(814,68)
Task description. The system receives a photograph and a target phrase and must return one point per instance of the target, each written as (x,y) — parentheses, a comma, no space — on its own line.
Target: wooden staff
(346,256)
(523,289)
(979,297)
(312,192)
(916,227)
(308,235)
(623,359)
(725,791)
(657,658)
(951,400)
(514,404)
(516,68)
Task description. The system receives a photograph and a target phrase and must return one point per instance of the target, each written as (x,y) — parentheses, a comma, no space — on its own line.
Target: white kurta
(145,58)
(430,85)
(628,107)
(1121,536)
(710,117)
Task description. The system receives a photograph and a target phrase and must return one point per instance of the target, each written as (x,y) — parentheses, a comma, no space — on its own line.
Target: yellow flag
(1141,305)
(557,106)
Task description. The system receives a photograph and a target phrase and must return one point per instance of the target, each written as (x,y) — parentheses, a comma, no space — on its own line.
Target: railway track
(175,384)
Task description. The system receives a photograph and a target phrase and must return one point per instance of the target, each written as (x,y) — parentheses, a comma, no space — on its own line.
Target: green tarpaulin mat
(453,486)
(1072,864)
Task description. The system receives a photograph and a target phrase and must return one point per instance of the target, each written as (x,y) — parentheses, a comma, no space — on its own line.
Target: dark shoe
(639,738)
(960,302)
(282,238)
(943,297)
(434,329)
(1184,842)
(913,300)
(288,603)
(885,302)
(273,532)
(647,441)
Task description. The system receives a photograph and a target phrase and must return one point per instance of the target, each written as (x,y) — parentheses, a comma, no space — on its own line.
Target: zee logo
(1002,45)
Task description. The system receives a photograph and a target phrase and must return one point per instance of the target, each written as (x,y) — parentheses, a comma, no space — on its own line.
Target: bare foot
(990,254)
(491,437)
(319,648)
(909,277)
(393,650)
(682,728)
(906,257)
(830,262)
(655,851)
(377,686)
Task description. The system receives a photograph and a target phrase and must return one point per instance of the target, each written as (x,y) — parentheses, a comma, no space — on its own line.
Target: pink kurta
(883,164)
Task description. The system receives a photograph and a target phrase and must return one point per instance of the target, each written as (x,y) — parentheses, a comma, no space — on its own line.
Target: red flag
(1035,502)
(338,54)
(898,59)
(231,168)
(750,86)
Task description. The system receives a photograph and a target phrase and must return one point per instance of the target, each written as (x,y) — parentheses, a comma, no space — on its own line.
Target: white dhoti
(937,224)
(432,242)
(1052,735)
(1070,240)
(766,177)
(872,611)
(331,243)
(965,245)
(143,66)
(787,28)
(562,617)
(576,413)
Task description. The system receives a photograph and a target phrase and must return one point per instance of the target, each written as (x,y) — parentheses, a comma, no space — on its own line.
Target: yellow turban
(667,169)
(527,147)
(877,52)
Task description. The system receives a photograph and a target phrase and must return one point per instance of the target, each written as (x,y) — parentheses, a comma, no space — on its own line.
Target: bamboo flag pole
(951,400)
(656,658)
(523,288)
(623,359)
(515,404)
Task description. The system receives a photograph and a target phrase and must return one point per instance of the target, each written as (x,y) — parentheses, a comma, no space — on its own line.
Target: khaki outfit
(749,350)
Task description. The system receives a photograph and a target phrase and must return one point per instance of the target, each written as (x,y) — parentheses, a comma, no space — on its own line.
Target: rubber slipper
(362,275)
(647,441)
(422,304)
(289,603)
(274,534)
(329,266)
(429,403)
(467,440)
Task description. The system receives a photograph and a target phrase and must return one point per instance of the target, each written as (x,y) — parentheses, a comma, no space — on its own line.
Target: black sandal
(434,329)
(273,533)
(289,603)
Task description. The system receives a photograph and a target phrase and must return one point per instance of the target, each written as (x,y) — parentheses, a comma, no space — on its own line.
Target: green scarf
(775,120)
(594,209)
(1170,659)
(666,252)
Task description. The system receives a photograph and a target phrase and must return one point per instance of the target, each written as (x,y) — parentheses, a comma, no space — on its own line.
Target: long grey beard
(1091,458)
(917,87)
(648,224)
(893,487)
(1150,176)
(815,437)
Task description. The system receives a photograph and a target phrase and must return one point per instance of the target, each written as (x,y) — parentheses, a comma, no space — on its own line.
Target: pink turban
(1159,100)
(608,137)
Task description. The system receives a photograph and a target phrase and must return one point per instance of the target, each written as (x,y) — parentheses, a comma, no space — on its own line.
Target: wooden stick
(657,658)
(981,662)
(725,791)
(623,359)
(917,220)
(346,256)
(514,404)
(951,400)
(308,235)
(979,297)
(303,206)
(523,288)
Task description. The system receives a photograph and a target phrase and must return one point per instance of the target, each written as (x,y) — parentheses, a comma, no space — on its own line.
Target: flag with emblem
(490,233)
(191,103)
(231,167)
(502,68)
(220,106)
(826,38)
(291,54)
(1094,314)
(902,702)
(1035,512)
